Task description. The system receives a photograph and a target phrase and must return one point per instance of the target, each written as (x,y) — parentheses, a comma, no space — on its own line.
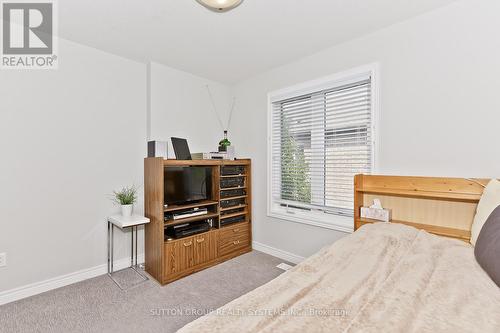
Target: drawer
(235,231)
(234,239)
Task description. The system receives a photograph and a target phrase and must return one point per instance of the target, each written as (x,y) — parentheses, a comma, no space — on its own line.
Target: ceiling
(232,46)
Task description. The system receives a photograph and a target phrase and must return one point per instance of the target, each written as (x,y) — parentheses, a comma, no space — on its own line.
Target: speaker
(158,149)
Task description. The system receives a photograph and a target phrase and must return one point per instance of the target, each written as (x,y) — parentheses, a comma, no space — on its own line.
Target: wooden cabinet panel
(169,260)
(228,246)
(205,247)
(234,238)
(237,230)
(179,256)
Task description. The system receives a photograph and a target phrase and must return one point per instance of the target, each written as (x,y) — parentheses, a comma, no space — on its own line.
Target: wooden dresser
(170,259)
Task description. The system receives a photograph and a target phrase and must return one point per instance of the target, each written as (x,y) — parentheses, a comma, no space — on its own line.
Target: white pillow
(489,201)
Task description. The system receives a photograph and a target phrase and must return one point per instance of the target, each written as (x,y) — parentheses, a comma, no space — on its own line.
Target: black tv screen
(187,184)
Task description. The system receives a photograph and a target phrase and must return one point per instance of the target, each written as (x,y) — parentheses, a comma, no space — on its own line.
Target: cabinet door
(205,247)
(179,256)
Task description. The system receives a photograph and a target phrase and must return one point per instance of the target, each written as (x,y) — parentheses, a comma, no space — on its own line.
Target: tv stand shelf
(232,207)
(233,188)
(231,231)
(191,219)
(203,203)
(233,215)
(184,238)
(234,198)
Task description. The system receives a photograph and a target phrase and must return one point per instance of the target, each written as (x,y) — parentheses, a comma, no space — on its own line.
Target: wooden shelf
(232,225)
(191,219)
(233,207)
(201,234)
(233,188)
(222,217)
(234,198)
(451,195)
(173,162)
(433,229)
(233,176)
(439,205)
(204,203)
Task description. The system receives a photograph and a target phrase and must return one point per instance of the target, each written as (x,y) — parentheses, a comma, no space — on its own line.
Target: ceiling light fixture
(220,5)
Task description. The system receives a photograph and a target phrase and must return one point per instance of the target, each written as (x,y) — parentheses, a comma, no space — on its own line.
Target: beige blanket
(383,278)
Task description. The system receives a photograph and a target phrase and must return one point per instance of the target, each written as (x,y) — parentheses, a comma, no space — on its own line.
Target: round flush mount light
(220,5)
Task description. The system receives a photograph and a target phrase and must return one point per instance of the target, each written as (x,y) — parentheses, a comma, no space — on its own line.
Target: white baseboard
(61,281)
(290,257)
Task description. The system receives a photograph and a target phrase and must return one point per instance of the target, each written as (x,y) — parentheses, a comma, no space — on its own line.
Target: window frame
(322,219)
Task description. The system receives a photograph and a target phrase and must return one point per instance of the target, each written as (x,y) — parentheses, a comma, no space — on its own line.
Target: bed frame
(441,206)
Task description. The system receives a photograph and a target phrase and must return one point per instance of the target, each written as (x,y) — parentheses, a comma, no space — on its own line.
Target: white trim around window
(338,220)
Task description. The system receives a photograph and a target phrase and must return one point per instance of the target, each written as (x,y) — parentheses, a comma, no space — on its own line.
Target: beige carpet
(97,305)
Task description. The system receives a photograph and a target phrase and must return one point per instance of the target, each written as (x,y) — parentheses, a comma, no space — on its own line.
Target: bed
(385,277)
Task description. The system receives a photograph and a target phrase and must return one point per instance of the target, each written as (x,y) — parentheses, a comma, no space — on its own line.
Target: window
(320,136)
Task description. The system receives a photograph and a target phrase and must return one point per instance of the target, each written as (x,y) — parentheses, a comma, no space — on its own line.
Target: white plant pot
(127,210)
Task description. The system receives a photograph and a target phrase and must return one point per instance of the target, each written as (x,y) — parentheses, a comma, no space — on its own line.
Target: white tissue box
(379,214)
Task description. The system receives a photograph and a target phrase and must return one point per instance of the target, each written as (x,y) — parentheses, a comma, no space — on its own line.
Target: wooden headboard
(442,206)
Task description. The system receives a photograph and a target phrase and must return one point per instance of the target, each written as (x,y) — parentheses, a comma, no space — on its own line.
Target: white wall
(440,75)
(73,135)
(180,106)
(68,138)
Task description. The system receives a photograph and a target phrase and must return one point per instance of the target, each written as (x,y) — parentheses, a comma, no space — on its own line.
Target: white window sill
(332,222)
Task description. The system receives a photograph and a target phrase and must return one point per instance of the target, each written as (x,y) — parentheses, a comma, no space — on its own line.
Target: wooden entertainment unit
(170,259)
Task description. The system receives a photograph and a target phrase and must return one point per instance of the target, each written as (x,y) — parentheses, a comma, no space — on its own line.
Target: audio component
(233,170)
(232,193)
(232,182)
(186,213)
(158,149)
(187,229)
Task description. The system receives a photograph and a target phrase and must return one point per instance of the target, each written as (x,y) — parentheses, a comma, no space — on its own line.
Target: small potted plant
(126,197)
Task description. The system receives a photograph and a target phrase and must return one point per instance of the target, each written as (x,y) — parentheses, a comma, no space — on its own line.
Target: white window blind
(319,141)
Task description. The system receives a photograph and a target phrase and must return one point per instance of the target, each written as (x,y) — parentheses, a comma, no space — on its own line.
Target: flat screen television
(187,184)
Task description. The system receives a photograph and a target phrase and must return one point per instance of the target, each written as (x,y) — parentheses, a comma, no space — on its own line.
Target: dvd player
(232,220)
(187,229)
(232,193)
(232,182)
(186,213)
(233,170)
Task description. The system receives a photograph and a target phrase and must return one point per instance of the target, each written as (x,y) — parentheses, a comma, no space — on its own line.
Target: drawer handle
(200,240)
(236,242)
(236,230)
(188,244)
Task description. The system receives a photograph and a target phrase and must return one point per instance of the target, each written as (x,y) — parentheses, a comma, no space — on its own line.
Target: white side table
(122,223)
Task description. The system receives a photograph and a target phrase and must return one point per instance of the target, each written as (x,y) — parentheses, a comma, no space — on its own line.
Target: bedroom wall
(180,106)
(68,138)
(440,77)
(71,137)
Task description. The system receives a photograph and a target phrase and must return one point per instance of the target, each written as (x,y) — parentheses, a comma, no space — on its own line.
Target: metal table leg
(132,252)
(135,267)
(107,252)
(112,247)
(132,246)
(136,234)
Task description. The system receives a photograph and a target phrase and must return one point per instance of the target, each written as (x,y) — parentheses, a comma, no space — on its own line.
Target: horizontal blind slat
(319,141)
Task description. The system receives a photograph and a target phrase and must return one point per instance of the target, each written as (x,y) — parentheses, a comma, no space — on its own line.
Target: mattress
(383,278)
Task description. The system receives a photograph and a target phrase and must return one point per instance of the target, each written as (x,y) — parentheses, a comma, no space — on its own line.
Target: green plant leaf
(126,196)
